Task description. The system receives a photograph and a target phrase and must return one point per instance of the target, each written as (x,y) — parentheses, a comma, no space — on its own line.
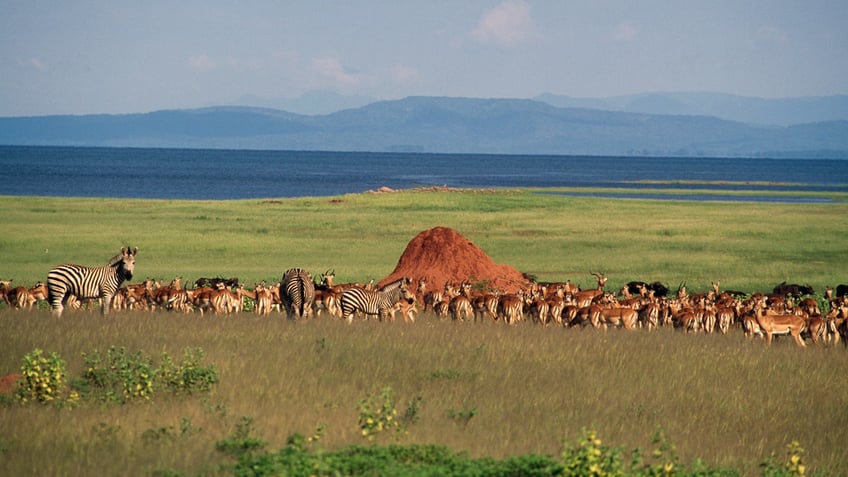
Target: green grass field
(746,245)
(523,390)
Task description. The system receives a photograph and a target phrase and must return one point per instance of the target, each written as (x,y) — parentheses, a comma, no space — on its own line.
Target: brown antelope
(407,310)
(837,321)
(780,324)
(585,298)
(588,315)
(539,309)
(421,290)
(202,299)
(432,299)
(708,318)
(616,316)
(161,295)
(442,307)
(264,298)
(724,318)
(511,308)
(11,294)
(485,304)
(460,305)
(816,328)
(245,293)
(36,294)
(569,313)
(687,318)
(226,301)
(556,304)
(4,289)
(649,316)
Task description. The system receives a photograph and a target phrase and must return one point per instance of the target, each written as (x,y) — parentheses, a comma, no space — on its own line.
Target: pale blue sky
(79,57)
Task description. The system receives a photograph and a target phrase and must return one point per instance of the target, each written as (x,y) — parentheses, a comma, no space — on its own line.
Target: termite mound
(441,255)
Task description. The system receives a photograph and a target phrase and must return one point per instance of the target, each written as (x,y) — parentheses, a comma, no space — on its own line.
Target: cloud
(403,73)
(335,70)
(201,63)
(33,63)
(624,32)
(507,24)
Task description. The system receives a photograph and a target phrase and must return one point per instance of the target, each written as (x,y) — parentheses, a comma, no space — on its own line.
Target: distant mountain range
(655,125)
(743,109)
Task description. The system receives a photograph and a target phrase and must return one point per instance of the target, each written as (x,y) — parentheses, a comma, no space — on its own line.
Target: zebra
(297,293)
(83,282)
(372,302)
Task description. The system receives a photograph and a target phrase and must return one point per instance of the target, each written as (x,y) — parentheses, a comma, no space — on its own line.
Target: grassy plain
(719,398)
(746,245)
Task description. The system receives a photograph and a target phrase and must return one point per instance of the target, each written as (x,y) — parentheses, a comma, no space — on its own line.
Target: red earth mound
(442,255)
(7,383)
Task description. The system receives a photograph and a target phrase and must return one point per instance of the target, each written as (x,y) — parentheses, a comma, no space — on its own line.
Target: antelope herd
(789,310)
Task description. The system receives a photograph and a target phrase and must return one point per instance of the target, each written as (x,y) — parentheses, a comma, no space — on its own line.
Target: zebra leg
(58,307)
(57,302)
(347,313)
(105,304)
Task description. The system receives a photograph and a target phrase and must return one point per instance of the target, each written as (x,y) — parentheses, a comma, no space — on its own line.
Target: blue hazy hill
(439,124)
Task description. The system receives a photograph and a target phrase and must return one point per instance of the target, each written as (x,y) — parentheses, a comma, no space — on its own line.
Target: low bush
(115,376)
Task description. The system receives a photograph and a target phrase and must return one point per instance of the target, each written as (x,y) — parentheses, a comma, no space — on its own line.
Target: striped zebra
(371,302)
(83,282)
(297,293)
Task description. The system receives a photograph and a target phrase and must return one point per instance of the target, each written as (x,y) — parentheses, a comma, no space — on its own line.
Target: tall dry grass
(724,399)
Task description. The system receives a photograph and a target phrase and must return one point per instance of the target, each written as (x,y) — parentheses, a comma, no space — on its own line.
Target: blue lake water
(248,174)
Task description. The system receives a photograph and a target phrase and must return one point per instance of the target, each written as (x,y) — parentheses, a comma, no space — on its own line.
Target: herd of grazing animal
(789,310)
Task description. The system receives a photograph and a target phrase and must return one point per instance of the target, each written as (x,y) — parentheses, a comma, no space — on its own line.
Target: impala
(780,325)
(585,298)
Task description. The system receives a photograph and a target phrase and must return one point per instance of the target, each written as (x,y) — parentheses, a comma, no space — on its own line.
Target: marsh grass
(719,398)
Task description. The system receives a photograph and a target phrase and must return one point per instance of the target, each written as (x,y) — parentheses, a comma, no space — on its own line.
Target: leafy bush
(42,377)
(242,443)
(591,458)
(378,414)
(793,467)
(121,377)
(113,376)
(189,376)
(118,376)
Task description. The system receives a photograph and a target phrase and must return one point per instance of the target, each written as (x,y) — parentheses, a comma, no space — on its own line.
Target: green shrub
(242,443)
(591,458)
(42,377)
(378,414)
(119,376)
(190,375)
(793,467)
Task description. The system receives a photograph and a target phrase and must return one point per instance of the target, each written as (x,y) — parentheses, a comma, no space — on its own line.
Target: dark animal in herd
(793,289)
(216,282)
(657,288)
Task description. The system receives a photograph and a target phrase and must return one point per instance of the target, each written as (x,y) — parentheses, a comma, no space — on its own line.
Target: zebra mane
(115,260)
(395,284)
(118,258)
